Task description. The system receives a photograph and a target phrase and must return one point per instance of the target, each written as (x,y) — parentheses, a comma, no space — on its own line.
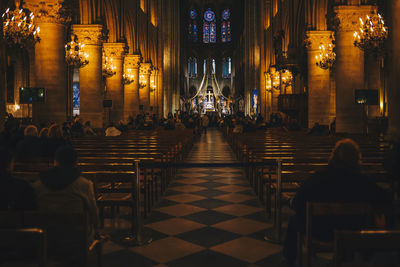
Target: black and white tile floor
(207,218)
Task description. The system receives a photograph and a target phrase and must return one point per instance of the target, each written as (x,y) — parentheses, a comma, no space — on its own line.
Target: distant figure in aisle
(204,123)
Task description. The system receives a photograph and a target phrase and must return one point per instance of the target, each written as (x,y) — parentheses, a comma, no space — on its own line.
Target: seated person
(15,194)
(112,130)
(64,189)
(29,149)
(341,181)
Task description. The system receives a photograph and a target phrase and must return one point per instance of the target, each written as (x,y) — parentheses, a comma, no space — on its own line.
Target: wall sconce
(268,82)
(286,77)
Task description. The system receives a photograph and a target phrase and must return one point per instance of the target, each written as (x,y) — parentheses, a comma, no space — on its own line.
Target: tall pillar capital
(145,68)
(114,50)
(348,17)
(132,61)
(315,38)
(89,34)
(47,11)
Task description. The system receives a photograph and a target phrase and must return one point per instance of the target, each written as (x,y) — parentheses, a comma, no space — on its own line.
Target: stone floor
(208,217)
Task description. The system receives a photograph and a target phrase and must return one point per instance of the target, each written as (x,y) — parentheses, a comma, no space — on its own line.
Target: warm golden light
(372,34)
(74,54)
(326,58)
(19,29)
(109,69)
(128,77)
(142,81)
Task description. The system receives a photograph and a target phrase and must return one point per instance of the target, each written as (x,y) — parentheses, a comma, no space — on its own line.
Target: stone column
(144,91)
(394,78)
(131,91)
(114,85)
(349,70)
(318,79)
(90,77)
(50,67)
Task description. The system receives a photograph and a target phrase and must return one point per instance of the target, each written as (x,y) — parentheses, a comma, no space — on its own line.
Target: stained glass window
(192,67)
(209,27)
(213,66)
(193,25)
(226,67)
(213,32)
(226,26)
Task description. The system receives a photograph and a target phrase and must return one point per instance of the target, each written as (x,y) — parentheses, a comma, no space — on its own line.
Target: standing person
(343,182)
(204,122)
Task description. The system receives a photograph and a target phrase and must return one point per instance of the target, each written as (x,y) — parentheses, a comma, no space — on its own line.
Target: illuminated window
(193,29)
(192,67)
(226,67)
(209,27)
(213,66)
(226,26)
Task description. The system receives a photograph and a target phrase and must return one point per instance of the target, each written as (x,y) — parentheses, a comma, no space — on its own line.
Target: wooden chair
(68,236)
(15,242)
(364,241)
(364,211)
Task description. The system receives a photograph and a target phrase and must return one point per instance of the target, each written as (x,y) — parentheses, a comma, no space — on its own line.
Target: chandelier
(128,77)
(108,68)
(152,85)
(74,54)
(286,77)
(275,78)
(372,34)
(19,29)
(142,81)
(268,81)
(326,58)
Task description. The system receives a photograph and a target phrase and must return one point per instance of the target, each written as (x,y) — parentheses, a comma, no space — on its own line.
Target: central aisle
(207,218)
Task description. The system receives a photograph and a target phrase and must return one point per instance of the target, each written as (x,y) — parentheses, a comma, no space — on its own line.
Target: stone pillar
(90,77)
(394,78)
(114,84)
(349,70)
(50,67)
(144,91)
(131,91)
(3,86)
(318,79)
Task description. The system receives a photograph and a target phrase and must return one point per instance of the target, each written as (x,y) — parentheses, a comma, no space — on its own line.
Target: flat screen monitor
(29,95)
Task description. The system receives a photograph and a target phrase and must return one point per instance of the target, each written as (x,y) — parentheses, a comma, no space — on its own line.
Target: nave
(207,217)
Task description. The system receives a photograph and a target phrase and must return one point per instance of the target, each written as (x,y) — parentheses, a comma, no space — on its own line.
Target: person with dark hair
(341,182)
(15,194)
(64,189)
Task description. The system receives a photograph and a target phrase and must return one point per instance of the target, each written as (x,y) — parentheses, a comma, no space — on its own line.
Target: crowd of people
(63,188)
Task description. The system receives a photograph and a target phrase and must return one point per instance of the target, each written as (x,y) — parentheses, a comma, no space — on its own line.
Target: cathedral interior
(277,82)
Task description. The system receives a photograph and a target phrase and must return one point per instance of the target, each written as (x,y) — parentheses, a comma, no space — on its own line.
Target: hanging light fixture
(19,29)
(74,54)
(268,81)
(372,34)
(142,81)
(275,78)
(286,77)
(128,77)
(326,58)
(109,69)
(152,84)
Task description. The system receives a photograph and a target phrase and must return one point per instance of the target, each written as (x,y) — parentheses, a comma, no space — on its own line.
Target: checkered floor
(208,217)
